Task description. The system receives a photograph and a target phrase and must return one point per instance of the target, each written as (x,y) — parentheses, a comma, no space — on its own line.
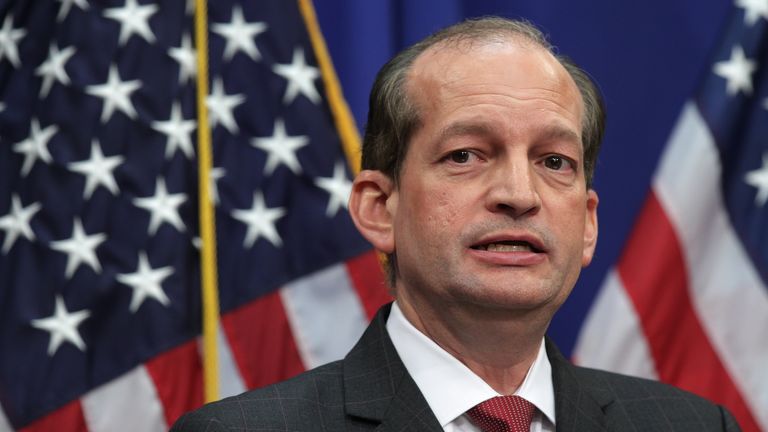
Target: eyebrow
(466,128)
(557,132)
(550,133)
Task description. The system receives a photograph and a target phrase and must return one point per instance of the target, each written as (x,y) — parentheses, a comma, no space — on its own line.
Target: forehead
(510,67)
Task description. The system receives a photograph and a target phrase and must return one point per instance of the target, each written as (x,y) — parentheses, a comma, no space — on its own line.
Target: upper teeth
(508,247)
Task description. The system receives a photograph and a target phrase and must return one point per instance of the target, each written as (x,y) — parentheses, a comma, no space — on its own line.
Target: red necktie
(503,414)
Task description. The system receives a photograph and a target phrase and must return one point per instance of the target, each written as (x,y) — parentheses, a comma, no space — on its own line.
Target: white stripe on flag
(325,314)
(611,337)
(128,403)
(230,380)
(5,425)
(727,293)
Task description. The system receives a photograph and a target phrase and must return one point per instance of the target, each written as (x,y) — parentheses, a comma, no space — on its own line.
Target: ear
(590,228)
(372,204)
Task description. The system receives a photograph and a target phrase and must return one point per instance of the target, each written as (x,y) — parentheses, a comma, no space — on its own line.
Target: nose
(512,189)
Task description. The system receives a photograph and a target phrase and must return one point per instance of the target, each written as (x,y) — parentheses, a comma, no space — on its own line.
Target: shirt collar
(449,386)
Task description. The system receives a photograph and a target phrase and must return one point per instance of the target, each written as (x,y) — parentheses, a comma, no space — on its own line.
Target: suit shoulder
(636,397)
(314,393)
(630,387)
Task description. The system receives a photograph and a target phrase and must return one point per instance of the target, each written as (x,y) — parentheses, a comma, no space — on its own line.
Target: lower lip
(519,259)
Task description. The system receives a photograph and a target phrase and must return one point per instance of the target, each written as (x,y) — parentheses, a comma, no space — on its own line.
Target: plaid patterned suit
(371,390)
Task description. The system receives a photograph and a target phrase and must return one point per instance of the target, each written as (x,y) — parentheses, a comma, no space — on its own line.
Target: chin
(516,298)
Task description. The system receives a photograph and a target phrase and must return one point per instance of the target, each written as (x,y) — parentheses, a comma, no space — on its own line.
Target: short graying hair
(393,116)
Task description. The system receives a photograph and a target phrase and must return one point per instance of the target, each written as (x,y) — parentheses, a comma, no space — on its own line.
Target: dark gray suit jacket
(370,389)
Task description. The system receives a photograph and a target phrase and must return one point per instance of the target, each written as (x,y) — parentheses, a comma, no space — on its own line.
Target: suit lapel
(577,407)
(378,389)
(379,392)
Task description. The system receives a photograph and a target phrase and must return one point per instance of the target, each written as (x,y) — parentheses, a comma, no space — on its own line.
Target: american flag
(687,303)
(100,307)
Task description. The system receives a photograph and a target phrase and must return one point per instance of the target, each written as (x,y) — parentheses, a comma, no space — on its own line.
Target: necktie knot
(503,414)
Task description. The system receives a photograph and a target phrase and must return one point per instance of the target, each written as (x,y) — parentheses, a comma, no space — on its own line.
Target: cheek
(568,221)
(433,217)
(446,211)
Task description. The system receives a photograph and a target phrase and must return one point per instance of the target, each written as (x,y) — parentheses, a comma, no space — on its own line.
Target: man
(477,164)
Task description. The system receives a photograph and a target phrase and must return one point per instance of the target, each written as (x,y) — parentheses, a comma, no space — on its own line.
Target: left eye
(556,163)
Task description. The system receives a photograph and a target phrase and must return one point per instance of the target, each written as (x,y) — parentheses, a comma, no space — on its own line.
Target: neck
(499,346)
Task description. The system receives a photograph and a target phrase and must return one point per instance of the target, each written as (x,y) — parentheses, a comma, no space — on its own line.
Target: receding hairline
(493,36)
(465,43)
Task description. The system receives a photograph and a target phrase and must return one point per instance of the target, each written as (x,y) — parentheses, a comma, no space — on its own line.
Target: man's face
(491,208)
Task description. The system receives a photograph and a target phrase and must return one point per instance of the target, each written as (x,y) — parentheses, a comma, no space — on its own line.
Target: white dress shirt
(451,388)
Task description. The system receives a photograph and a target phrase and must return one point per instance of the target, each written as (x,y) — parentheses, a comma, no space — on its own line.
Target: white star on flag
(300,78)
(35,146)
(80,248)
(737,71)
(163,207)
(134,19)
(62,326)
(753,10)
(116,94)
(240,35)
(98,170)
(339,187)
(53,68)
(146,282)
(178,132)
(16,222)
(759,179)
(281,148)
(213,183)
(260,221)
(9,38)
(66,5)
(220,105)
(187,59)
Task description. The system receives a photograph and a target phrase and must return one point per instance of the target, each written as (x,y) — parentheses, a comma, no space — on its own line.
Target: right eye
(460,156)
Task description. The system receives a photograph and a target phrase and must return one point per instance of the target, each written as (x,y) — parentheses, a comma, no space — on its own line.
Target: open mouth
(508,246)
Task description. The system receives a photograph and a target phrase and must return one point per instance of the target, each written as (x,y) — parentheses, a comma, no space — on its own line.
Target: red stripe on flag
(262,342)
(67,418)
(178,378)
(653,271)
(368,279)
